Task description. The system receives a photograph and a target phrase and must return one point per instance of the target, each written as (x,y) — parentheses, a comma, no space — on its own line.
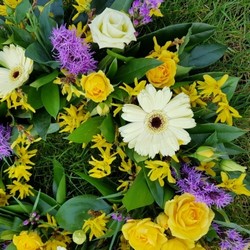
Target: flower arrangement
(156,130)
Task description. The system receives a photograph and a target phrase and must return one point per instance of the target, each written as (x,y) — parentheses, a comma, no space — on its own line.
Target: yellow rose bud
(163,75)
(97,86)
(162,220)
(102,109)
(229,165)
(178,244)
(205,154)
(144,234)
(27,241)
(79,237)
(188,219)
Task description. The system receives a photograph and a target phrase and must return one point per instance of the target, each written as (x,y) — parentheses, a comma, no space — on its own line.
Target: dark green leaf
(85,132)
(41,121)
(34,98)
(229,86)
(233,149)
(132,200)
(59,182)
(203,55)
(107,128)
(11,246)
(122,5)
(21,10)
(135,68)
(51,98)
(73,212)
(112,69)
(21,36)
(44,79)
(233,226)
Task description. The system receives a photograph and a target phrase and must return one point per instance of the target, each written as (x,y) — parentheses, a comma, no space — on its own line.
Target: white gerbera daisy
(157,126)
(16,71)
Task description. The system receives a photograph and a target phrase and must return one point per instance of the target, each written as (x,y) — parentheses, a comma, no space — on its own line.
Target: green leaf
(233,226)
(21,36)
(132,199)
(229,87)
(11,246)
(104,186)
(122,5)
(85,132)
(225,133)
(34,98)
(41,121)
(24,208)
(135,68)
(59,182)
(233,149)
(203,55)
(44,79)
(21,10)
(112,69)
(73,212)
(182,71)
(107,128)
(51,98)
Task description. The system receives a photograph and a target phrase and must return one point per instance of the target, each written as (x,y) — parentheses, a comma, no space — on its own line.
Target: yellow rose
(163,75)
(162,220)
(188,219)
(178,244)
(27,241)
(97,86)
(144,234)
(112,29)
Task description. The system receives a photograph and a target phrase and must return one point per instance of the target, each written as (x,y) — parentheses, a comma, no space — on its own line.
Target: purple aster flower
(117,216)
(197,184)
(5,149)
(72,52)
(230,239)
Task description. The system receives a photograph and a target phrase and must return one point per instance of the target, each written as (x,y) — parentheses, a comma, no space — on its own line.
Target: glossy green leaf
(104,186)
(107,128)
(17,208)
(59,182)
(122,5)
(135,68)
(138,194)
(51,98)
(230,86)
(21,10)
(85,132)
(233,149)
(233,226)
(41,121)
(7,235)
(21,36)
(112,69)
(44,79)
(73,212)
(11,246)
(203,55)
(34,98)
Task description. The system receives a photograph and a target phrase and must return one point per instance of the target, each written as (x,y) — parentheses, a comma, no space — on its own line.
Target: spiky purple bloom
(197,184)
(72,52)
(230,239)
(140,11)
(5,149)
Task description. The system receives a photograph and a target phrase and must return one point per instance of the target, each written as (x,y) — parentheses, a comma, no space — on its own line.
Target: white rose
(112,29)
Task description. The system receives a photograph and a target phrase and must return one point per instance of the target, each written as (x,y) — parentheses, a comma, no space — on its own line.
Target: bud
(229,165)
(205,154)
(102,109)
(162,220)
(79,237)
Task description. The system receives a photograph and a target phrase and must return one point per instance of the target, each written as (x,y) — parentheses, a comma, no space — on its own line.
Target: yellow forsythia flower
(27,241)
(144,234)
(188,219)
(3,198)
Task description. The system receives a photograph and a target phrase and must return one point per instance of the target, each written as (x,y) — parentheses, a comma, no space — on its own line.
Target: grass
(232,21)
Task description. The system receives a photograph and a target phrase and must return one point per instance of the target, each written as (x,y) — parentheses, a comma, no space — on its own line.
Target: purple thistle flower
(197,184)
(72,52)
(5,149)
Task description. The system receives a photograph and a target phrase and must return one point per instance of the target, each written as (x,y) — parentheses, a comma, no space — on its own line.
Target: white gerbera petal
(17,69)
(158,126)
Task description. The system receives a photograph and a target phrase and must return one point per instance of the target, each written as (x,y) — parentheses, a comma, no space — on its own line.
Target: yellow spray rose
(178,244)
(97,86)
(27,241)
(188,219)
(163,75)
(144,234)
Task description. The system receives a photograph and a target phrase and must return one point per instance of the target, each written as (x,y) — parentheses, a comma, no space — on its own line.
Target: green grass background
(232,20)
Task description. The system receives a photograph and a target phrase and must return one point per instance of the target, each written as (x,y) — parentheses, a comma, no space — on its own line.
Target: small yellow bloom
(162,220)
(97,86)
(117,109)
(27,241)
(178,244)
(82,31)
(188,219)
(52,244)
(23,188)
(159,170)
(211,86)
(144,234)
(124,185)
(235,185)
(19,171)
(82,6)
(100,142)
(139,86)
(51,222)
(226,113)
(3,198)
(163,75)
(96,225)
(207,167)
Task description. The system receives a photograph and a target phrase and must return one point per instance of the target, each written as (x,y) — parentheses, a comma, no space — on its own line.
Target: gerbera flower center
(156,121)
(15,73)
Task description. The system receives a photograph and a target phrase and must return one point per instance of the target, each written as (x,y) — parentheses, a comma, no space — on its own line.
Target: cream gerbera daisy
(16,71)
(157,126)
